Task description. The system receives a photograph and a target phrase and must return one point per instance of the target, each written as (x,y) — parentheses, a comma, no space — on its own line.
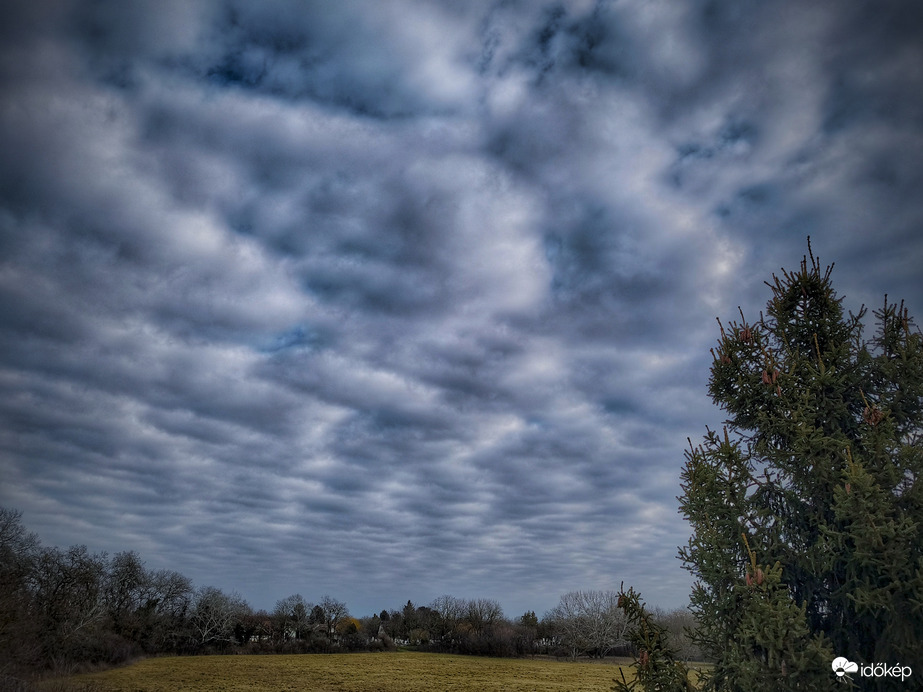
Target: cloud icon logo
(841,666)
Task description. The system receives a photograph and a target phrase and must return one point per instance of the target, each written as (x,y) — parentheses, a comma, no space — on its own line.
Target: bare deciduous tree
(214,614)
(605,621)
(292,614)
(482,614)
(18,552)
(588,622)
(127,593)
(449,612)
(68,588)
(568,623)
(333,612)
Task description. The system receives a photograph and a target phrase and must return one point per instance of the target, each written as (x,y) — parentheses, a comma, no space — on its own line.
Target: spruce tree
(817,473)
(656,665)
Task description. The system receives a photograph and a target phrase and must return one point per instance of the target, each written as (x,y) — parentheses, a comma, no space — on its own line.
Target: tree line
(62,609)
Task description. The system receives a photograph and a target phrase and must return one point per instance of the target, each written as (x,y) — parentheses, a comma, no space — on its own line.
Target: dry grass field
(378,672)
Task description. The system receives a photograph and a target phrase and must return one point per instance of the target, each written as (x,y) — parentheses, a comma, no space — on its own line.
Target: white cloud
(423,288)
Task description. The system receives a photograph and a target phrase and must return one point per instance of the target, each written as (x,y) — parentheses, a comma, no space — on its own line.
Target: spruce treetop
(807,511)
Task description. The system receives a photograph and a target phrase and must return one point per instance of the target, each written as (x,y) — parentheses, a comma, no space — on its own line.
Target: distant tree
(606,623)
(529,619)
(214,615)
(569,624)
(292,615)
(528,631)
(425,620)
(333,612)
(259,628)
(69,603)
(171,599)
(246,626)
(349,625)
(317,616)
(806,512)
(370,626)
(349,632)
(448,613)
(481,615)
(588,622)
(681,624)
(393,624)
(129,596)
(409,620)
(19,549)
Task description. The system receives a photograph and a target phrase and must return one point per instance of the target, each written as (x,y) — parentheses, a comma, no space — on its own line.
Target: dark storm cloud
(400,299)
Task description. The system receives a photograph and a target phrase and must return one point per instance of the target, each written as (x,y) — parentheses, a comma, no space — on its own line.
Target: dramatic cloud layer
(395,299)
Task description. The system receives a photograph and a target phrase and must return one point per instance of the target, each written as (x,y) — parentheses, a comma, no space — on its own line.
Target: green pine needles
(807,510)
(656,665)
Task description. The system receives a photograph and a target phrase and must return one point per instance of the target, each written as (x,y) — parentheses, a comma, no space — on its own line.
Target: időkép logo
(843,667)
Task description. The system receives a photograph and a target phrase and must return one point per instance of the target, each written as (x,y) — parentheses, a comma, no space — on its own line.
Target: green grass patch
(373,672)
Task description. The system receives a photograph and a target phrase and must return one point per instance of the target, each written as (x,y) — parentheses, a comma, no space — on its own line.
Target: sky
(390,300)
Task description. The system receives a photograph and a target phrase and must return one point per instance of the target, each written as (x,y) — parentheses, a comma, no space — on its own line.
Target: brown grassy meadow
(373,672)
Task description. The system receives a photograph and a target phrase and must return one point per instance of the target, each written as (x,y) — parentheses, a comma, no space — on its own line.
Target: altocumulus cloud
(390,300)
